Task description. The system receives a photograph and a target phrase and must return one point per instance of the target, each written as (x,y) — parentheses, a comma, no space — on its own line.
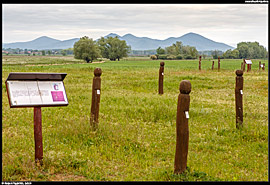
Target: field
(136,137)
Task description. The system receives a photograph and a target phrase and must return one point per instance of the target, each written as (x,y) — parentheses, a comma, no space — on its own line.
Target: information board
(36,89)
(36,93)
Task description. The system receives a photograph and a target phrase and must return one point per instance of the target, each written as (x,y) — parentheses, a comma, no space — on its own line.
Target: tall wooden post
(200,62)
(218,63)
(160,79)
(96,90)
(182,131)
(239,98)
(38,135)
(213,65)
(260,65)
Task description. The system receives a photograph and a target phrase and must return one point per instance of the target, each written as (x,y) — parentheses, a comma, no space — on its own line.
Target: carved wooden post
(95,98)
(182,131)
(200,62)
(213,64)
(260,65)
(239,98)
(160,79)
(218,63)
(38,135)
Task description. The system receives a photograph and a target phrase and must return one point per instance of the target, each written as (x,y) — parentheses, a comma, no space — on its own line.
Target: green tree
(160,51)
(86,49)
(113,48)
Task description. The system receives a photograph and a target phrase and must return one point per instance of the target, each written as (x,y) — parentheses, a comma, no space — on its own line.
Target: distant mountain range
(137,43)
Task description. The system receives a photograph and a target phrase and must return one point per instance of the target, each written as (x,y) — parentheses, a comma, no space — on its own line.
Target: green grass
(135,140)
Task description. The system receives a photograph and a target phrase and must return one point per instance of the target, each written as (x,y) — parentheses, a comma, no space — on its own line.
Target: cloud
(159,21)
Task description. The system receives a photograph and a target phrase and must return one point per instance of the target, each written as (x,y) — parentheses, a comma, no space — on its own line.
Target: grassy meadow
(136,137)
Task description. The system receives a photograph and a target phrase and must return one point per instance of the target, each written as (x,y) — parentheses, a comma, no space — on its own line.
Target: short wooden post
(218,63)
(200,57)
(239,98)
(182,131)
(96,91)
(244,65)
(160,79)
(260,65)
(263,68)
(38,135)
(213,64)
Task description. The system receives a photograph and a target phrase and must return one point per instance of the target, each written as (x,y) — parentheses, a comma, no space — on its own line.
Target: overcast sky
(227,23)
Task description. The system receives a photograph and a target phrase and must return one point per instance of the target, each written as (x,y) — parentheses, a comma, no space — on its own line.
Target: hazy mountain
(137,43)
(192,39)
(43,42)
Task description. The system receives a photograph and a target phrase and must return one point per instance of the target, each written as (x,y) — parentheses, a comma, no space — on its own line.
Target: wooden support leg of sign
(182,131)
(260,65)
(160,79)
(239,98)
(38,135)
(263,68)
(96,91)
(213,65)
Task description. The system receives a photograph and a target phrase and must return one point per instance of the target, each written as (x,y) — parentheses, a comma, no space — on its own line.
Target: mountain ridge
(137,43)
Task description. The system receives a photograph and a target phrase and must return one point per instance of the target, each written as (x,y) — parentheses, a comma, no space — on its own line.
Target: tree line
(251,50)
(176,51)
(111,47)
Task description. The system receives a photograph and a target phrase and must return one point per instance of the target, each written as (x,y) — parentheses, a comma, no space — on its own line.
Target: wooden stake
(213,64)
(96,91)
(160,79)
(200,62)
(38,135)
(239,98)
(182,131)
(218,63)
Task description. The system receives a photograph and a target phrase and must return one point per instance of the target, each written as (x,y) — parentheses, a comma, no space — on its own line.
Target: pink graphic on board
(57,95)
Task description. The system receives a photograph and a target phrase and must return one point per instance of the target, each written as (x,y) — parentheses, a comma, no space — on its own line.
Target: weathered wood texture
(160,79)
(96,91)
(38,135)
(182,131)
(239,98)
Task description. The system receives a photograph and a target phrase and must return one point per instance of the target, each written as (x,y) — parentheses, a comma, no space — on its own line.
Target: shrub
(153,57)
(179,57)
(171,57)
(163,57)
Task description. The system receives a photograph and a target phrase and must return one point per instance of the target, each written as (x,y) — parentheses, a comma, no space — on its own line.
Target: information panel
(36,93)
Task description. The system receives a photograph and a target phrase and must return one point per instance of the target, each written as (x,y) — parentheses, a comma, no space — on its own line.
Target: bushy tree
(86,49)
(113,48)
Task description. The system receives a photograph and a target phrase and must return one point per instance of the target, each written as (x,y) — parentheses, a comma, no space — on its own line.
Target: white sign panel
(248,61)
(36,93)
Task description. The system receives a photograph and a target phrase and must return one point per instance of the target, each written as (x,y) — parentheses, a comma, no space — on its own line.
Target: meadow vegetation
(135,140)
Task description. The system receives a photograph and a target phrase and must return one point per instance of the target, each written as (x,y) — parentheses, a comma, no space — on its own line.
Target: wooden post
(239,98)
(182,131)
(263,68)
(259,65)
(96,90)
(244,65)
(160,79)
(38,135)
(200,62)
(213,64)
(218,63)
